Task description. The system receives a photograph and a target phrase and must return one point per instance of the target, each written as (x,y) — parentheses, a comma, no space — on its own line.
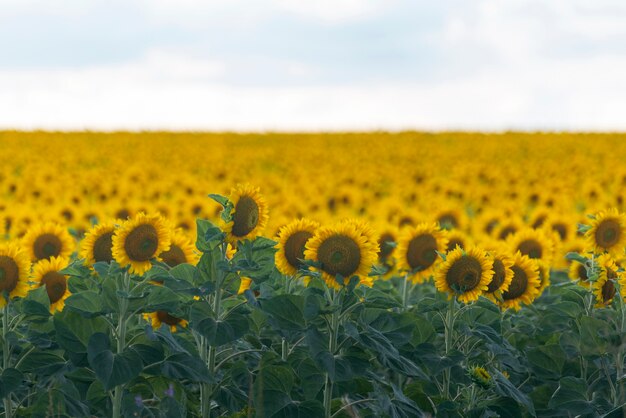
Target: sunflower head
(465,274)
(607,233)
(502,274)
(417,250)
(480,376)
(14,271)
(97,245)
(248,216)
(292,239)
(181,250)
(524,287)
(158,318)
(534,243)
(47,274)
(48,240)
(604,288)
(343,251)
(139,240)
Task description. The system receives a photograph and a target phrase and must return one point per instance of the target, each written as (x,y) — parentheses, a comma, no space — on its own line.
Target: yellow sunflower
(578,272)
(158,318)
(604,287)
(608,233)
(544,275)
(48,240)
(46,273)
(387,249)
(417,250)
(342,250)
(465,273)
(534,243)
(139,240)
(249,214)
(182,250)
(292,239)
(14,271)
(98,243)
(457,238)
(502,275)
(524,287)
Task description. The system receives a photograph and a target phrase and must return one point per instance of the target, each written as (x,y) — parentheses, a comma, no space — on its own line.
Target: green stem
(332,347)
(121,344)
(448,337)
(405,292)
(6,352)
(351,404)
(284,349)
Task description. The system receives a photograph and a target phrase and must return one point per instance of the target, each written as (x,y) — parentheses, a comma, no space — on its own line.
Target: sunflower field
(312,275)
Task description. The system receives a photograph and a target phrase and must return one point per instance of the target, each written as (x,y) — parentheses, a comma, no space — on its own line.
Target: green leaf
(286,312)
(112,369)
(44,363)
(570,396)
(217,332)
(505,388)
(162,299)
(209,236)
(87,303)
(10,380)
(37,303)
(547,359)
(73,331)
(575,257)
(182,366)
(271,390)
(185,272)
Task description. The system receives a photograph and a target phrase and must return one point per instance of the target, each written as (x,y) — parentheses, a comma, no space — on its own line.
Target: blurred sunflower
(417,250)
(465,273)
(98,244)
(292,239)
(139,240)
(502,275)
(48,240)
(46,273)
(457,238)
(14,271)
(604,287)
(607,233)
(249,215)
(342,251)
(156,319)
(534,243)
(524,287)
(578,272)
(182,250)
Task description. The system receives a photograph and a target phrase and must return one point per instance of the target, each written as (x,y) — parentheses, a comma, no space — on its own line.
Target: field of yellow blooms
(312,275)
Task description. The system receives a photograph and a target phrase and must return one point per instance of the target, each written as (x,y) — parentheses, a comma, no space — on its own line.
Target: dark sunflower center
(608,233)
(421,252)
(9,274)
(608,291)
(339,254)
(491,226)
(531,248)
(385,248)
(582,273)
(46,246)
(518,284)
(448,221)
(102,247)
(168,319)
(464,274)
(561,230)
(453,243)
(539,221)
(141,243)
(56,285)
(499,272)
(122,214)
(506,231)
(246,216)
(294,247)
(174,256)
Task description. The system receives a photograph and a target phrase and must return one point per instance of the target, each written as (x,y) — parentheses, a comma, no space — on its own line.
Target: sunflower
(524,287)
(480,376)
(14,270)
(249,215)
(465,273)
(604,287)
(182,250)
(457,238)
(140,239)
(502,275)
(158,318)
(544,275)
(46,273)
(342,250)
(417,249)
(244,285)
(98,243)
(387,249)
(48,240)
(607,232)
(534,243)
(292,239)
(578,272)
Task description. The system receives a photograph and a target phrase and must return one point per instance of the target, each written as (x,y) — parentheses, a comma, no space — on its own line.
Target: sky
(320,65)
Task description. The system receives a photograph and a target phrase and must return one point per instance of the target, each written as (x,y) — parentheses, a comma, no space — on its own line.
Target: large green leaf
(217,332)
(112,369)
(73,331)
(10,380)
(87,303)
(286,312)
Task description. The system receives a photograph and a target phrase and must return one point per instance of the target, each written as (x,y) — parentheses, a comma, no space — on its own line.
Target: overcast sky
(313,64)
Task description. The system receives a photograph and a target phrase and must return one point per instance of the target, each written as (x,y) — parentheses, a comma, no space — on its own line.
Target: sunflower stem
(121,343)
(332,347)
(284,349)
(448,337)
(8,408)
(405,292)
